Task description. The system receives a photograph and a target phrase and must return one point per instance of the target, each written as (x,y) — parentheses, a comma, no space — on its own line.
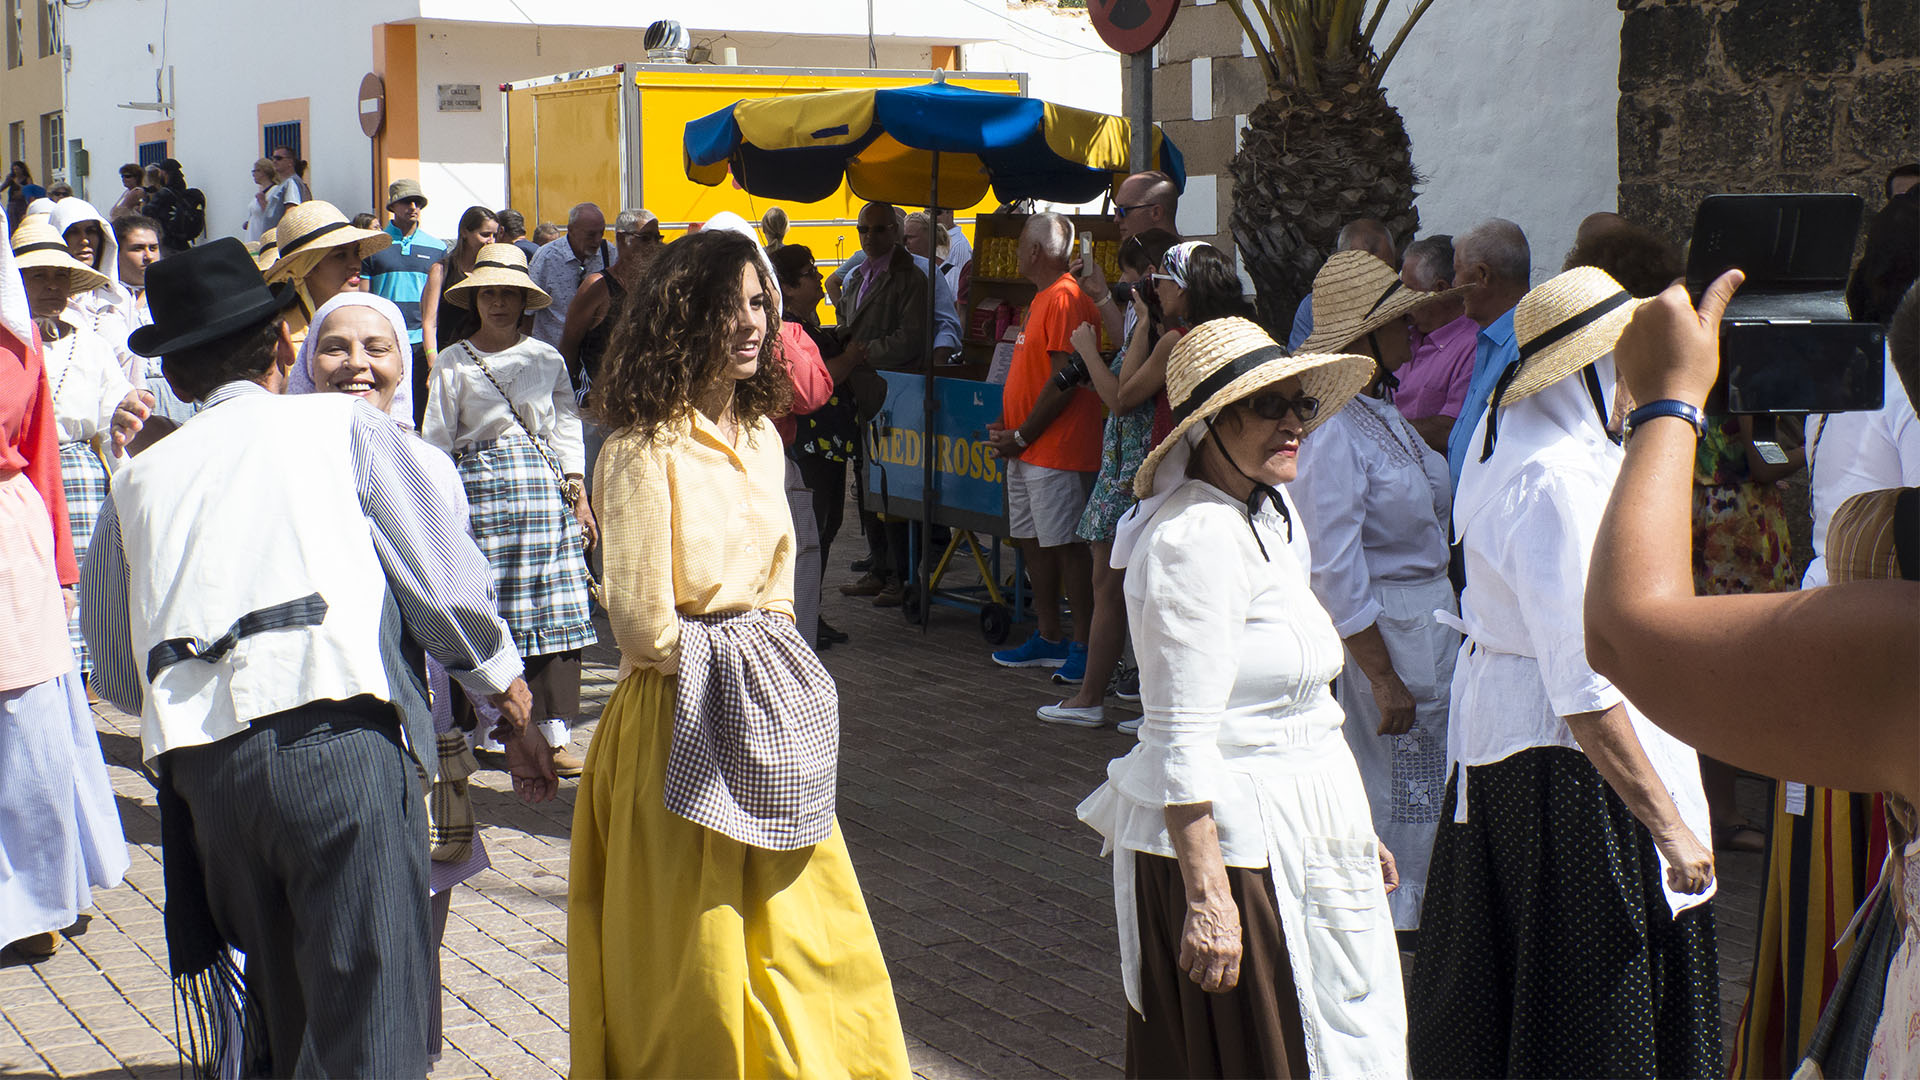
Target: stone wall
(1203,88)
(1763,95)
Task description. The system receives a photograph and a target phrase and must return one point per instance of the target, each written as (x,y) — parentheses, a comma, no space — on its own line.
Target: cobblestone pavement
(992,904)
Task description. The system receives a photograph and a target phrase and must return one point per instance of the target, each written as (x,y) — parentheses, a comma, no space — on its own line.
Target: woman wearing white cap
(500,402)
(1255,937)
(1567,930)
(106,307)
(1376,502)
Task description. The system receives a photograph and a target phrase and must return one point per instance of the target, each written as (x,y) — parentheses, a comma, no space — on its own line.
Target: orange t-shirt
(1072,441)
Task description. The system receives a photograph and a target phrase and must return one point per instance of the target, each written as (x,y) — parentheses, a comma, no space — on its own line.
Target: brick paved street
(993,907)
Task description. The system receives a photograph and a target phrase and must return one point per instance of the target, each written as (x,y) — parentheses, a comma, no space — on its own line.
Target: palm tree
(1323,149)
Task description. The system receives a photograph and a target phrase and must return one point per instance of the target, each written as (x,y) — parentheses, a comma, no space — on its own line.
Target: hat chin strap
(1594,393)
(1260,493)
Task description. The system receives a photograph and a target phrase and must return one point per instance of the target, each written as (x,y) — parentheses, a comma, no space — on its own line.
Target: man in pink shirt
(1433,384)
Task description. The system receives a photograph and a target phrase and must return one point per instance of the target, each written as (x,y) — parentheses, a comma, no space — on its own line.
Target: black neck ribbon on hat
(331,226)
(1589,374)
(1220,379)
(1557,332)
(1260,493)
(1391,289)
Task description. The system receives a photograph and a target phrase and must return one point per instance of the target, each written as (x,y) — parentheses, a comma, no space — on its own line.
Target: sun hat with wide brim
(1355,294)
(1223,360)
(308,230)
(36,244)
(498,264)
(1562,326)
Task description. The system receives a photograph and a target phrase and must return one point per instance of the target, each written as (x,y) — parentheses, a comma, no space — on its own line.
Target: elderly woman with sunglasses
(1250,887)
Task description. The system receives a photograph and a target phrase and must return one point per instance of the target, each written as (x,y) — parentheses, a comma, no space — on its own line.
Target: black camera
(1122,292)
(1073,374)
(1788,345)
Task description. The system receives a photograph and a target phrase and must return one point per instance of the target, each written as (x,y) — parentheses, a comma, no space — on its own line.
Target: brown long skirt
(1252,1030)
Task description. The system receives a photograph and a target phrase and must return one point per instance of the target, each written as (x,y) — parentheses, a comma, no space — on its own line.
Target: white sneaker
(1093,716)
(1130,727)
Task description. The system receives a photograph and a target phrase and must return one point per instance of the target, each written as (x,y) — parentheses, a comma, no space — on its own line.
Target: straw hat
(37,244)
(308,230)
(1223,360)
(1562,326)
(266,251)
(1355,294)
(498,264)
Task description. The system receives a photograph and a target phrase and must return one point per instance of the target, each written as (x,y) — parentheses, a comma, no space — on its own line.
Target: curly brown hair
(1642,262)
(670,341)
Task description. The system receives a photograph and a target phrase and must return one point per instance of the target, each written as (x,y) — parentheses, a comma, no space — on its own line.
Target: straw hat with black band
(1562,327)
(1221,361)
(308,230)
(36,244)
(268,251)
(1355,294)
(498,265)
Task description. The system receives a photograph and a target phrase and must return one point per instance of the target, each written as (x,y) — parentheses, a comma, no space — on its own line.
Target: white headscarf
(16,315)
(731,222)
(300,380)
(1558,427)
(1166,480)
(70,212)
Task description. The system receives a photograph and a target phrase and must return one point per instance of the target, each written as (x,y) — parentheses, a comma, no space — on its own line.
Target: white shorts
(1045,504)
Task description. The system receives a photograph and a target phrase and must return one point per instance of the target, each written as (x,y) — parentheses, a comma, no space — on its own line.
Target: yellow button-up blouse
(691,525)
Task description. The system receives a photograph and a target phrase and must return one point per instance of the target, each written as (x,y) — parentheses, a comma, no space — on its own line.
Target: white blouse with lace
(1235,659)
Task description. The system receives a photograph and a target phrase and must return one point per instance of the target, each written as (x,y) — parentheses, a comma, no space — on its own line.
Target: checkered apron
(532,541)
(756,732)
(83,477)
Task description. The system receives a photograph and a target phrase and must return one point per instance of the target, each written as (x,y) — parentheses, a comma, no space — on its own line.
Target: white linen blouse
(1851,453)
(1376,500)
(1236,657)
(464,408)
(86,380)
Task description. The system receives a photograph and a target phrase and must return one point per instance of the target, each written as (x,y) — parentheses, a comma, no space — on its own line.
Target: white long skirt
(1406,775)
(60,832)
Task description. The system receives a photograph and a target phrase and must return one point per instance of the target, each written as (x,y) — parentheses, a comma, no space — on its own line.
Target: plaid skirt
(83,477)
(532,541)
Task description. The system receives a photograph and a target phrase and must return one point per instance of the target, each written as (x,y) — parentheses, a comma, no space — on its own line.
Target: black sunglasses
(1274,405)
(1120,212)
(871,228)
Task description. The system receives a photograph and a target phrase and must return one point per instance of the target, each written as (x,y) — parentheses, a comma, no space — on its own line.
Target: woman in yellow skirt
(715,926)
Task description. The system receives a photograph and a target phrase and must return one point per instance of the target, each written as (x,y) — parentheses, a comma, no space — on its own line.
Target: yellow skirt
(690,954)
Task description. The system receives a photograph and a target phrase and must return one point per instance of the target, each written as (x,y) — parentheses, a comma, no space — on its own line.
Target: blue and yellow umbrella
(887,144)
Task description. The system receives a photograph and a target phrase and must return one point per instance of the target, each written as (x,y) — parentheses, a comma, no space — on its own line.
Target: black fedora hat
(203,294)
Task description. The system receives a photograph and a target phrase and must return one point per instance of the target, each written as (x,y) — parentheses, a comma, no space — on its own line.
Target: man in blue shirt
(399,273)
(1493,255)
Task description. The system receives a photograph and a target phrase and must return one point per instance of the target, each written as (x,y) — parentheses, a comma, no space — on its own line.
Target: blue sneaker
(1074,670)
(1036,651)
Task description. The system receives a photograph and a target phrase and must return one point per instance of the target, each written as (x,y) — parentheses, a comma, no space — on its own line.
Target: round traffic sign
(1132,26)
(373,104)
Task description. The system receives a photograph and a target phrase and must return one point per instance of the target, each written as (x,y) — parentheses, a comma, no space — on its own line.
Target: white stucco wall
(229,56)
(1510,106)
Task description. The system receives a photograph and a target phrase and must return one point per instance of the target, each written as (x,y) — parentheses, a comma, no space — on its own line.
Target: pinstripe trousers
(312,834)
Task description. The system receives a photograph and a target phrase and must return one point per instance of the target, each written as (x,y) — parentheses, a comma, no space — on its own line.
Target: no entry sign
(1132,26)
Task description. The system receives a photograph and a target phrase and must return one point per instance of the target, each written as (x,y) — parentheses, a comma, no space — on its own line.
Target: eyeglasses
(1164,277)
(1120,212)
(1274,405)
(865,229)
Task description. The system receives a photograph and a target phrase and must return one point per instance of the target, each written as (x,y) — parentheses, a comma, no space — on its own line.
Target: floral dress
(1124,444)
(1740,542)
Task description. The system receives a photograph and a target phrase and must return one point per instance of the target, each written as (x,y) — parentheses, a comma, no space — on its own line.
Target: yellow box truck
(612,136)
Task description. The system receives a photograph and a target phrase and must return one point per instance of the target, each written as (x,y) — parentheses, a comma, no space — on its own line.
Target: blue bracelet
(1669,407)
